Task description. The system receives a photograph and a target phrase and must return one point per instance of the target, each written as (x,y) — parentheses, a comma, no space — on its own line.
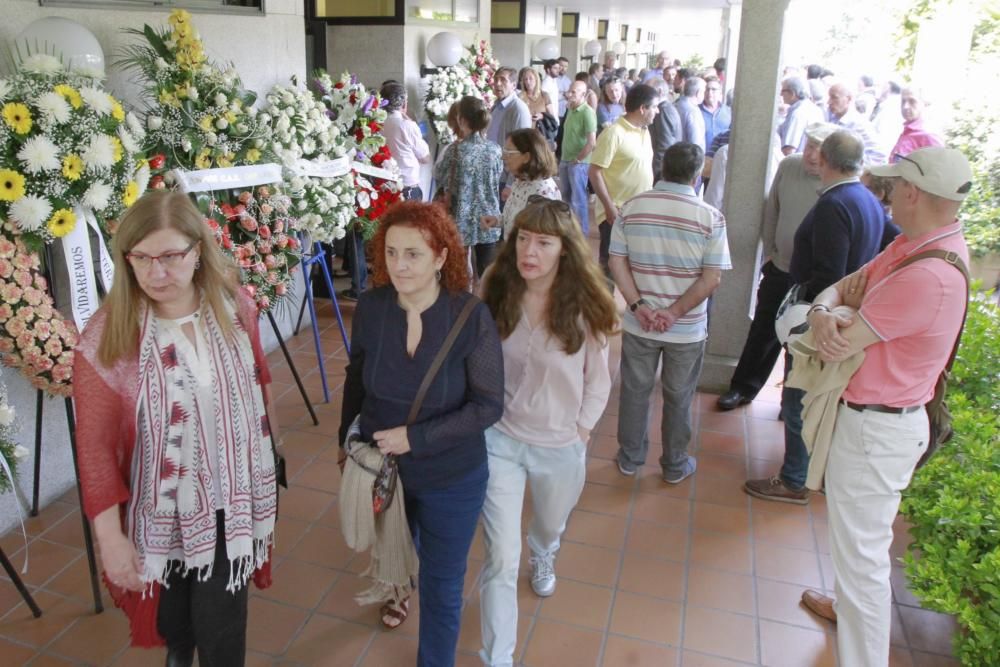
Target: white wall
(265,49)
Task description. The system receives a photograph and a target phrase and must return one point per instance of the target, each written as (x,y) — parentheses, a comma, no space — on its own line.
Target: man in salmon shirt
(881,429)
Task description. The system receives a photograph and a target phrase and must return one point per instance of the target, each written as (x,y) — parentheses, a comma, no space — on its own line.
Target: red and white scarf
(171,516)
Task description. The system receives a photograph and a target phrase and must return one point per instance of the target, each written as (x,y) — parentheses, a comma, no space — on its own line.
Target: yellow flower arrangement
(206,123)
(117,112)
(131,193)
(61,223)
(204,159)
(72,167)
(253,155)
(17,116)
(69,94)
(117,156)
(11,185)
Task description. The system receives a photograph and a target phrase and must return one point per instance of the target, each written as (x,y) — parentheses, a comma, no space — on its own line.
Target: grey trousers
(679,378)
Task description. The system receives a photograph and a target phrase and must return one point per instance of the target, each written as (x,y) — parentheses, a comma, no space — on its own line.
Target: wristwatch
(638,302)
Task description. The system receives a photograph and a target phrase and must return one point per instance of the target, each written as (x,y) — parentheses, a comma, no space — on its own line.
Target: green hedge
(953,503)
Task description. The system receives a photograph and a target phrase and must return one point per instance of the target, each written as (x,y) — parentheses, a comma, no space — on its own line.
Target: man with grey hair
(801,114)
(656,72)
(915,135)
(689,110)
(666,128)
(844,229)
(842,111)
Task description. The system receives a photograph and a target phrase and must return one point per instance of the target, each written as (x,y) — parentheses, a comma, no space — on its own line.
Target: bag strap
(956,261)
(456,328)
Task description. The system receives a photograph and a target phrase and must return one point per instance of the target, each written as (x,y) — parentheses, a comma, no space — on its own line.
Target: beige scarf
(394,562)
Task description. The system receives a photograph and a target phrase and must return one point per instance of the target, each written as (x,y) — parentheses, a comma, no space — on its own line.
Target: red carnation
(157,161)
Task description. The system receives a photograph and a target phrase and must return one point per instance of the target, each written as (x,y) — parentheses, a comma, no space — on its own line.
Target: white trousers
(556,476)
(871,461)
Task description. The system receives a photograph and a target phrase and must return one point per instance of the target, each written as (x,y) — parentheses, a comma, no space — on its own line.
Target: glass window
(219,6)
(462,11)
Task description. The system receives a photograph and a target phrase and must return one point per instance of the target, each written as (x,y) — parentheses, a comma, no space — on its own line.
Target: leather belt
(861,407)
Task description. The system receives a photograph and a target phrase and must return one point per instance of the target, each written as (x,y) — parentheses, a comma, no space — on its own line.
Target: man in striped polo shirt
(668,251)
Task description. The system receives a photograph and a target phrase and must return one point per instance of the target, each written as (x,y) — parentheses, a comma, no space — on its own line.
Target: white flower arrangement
(9,451)
(302,130)
(472,76)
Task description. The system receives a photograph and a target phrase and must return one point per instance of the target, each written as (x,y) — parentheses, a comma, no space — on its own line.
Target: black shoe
(347,295)
(180,657)
(733,398)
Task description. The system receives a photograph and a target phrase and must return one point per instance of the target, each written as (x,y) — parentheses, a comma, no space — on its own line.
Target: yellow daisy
(204,159)
(131,193)
(11,185)
(61,223)
(206,123)
(17,116)
(72,167)
(230,117)
(117,112)
(118,148)
(253,155)
(70,95)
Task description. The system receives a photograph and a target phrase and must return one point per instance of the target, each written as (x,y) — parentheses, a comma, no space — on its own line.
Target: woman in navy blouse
(420,277)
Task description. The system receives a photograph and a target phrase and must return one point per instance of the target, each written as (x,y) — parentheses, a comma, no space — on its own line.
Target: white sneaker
(543,576)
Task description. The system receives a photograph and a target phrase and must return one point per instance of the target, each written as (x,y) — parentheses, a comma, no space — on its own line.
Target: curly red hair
(437,228)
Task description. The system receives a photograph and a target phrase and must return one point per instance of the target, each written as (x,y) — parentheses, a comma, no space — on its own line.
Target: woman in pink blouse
(554,315)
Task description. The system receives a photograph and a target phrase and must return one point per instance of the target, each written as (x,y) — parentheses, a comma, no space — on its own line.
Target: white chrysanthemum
(39,154)
(41,63)
(4,90)
(30,212)
(142,178)
(134,126)
(100,153)
(97,99)
(128,141)
(97,196)
(53,106)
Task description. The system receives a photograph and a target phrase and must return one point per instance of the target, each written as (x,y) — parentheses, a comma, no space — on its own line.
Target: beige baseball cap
(818,132)
(944,172)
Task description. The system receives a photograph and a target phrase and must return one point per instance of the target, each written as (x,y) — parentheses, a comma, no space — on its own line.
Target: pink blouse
(549,394)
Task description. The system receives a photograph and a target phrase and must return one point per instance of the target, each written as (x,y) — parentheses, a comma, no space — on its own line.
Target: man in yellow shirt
(622,164)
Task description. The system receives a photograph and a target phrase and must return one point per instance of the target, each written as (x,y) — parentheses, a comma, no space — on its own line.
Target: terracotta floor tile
(898,636)
(320,475)
(783,529)
(722,422)
(599,530)
(46,559)
(339,602)
(603,447)
(788,565)
(651,576)
(605,499)
(779,601)
(330,642)
(288,532)
(731,444)
(470,631)
(821,529)
(626,652)
(722,465)
(390,648)
(651,481)
(900,657)
(58,613)
(646,618)
(762,409)
(14,653)
(272,625)
(607,425)
(605,471)
(817,507)
(720,491)
(140,657)
(93,638)
(653,539)
(693,659)
(49,660)
(901,589)
(661,509)
(767,449)
(49,515)
(299,584)
(577,603)
(553,643)
(721,552)
(921,659)
(759,506)
(304,504)
(74,582)
(720,633)
(787,646)
(927,630)
(592,565)
(324,547)
(720,590)
(733,521)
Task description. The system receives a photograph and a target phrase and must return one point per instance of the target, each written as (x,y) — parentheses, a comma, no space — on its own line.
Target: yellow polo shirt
(625,153)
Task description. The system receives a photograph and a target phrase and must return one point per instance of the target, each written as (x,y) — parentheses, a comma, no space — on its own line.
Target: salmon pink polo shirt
(916,312)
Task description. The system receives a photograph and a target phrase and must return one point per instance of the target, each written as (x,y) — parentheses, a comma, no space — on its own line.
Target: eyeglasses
(911,161)
(168,260)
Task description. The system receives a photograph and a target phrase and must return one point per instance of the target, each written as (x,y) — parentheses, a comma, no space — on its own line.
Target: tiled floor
(649,574)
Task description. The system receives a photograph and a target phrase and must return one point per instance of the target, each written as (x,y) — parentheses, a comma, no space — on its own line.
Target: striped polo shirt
(669,236)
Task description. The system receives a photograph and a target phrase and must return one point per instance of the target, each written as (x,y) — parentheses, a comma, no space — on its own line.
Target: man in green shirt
(579,139)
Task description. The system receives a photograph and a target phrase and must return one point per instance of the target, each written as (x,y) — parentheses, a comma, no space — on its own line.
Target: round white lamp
(618,48)
(63,39)
(546,49)
(445,49)
(592,49)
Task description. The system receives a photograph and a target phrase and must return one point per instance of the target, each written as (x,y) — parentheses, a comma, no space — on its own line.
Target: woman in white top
(554,314)
(528,157)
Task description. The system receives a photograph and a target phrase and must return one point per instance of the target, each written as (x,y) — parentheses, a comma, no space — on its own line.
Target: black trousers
(762,348)
(203,615)
(483,255)
(604,249)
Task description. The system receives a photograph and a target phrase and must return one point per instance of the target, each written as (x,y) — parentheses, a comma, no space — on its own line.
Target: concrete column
(762,24)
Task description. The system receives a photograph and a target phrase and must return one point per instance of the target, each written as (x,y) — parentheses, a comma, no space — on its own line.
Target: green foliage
(953,503)
(695,63)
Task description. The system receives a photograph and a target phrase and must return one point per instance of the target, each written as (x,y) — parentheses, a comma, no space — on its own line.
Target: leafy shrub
(953,503)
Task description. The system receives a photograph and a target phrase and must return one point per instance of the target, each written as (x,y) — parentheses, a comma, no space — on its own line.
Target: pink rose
(248,223)
(22,262)
(264,192)
(33,296)
(266,209)
(279,226)
(281,289)
(272,278)
(25,340)
(281,241)
(62,372)
(53,347)
(66,358)
(43,330)
(22,278)
(245,197)
(41,283)
(7,248)
(263,303)
(43,364)
(264,231)
(244,263)
(27,314)
(10,293)
(15,327)
(6,268)
(259,268)
(264,247)
(270,261)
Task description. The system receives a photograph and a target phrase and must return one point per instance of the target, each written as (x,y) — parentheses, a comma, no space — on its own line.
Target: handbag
(387,476)
(548,125)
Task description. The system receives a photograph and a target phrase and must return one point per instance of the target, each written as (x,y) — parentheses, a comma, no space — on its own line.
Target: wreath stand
(21,588)
(291,366)
(88,538)
(317,259)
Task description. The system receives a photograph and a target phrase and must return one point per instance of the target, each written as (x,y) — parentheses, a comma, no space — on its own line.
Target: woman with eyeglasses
(527,156)
(176,462)
(554,315)
(612,104)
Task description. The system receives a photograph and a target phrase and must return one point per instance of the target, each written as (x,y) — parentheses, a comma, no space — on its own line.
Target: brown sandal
(396,612)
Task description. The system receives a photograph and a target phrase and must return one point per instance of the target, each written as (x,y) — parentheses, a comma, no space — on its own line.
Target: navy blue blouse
(465,398)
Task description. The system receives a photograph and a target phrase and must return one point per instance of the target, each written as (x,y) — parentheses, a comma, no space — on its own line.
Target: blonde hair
(215,275)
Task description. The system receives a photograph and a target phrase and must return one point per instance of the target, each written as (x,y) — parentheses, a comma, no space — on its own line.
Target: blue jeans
(796,465)
(443,523)
(573,182)
(679,374)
